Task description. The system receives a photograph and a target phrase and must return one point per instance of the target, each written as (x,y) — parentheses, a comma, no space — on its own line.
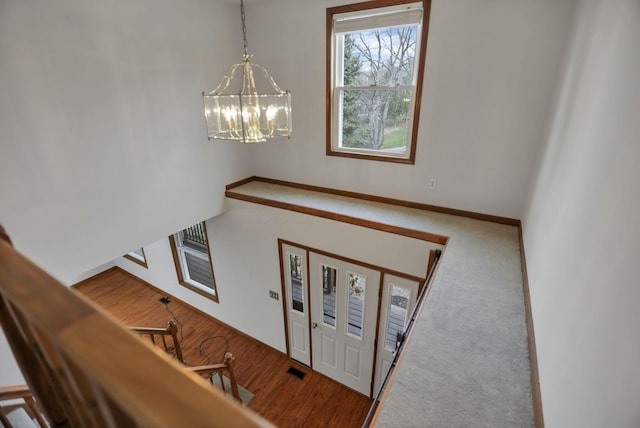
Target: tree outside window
(376,65)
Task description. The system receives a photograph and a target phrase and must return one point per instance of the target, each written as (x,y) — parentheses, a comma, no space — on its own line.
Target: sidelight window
(398,315)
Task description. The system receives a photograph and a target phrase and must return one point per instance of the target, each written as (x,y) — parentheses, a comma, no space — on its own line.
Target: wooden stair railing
(162,333)
(21,392)
(87,370)
(209,371)
(174,349)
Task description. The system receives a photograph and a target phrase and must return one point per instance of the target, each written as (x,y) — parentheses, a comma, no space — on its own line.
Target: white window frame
(184,278)
(373,15)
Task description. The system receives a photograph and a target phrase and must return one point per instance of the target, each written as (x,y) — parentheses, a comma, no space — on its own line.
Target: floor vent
(296,373)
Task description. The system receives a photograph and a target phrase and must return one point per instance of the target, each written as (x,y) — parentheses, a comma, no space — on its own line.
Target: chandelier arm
(252,83)
(246,78)
(271,81)
(224,84)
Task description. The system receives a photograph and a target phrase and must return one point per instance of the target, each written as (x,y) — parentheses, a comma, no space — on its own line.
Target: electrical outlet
(274,295)
(433,183)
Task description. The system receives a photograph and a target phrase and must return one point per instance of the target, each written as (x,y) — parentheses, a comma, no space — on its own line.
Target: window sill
(373,157)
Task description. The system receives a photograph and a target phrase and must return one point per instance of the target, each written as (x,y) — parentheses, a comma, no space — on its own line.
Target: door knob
(314,325)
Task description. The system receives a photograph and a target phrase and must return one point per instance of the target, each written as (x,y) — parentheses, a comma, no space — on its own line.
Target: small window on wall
(375,63)
(137,256)
(192,257)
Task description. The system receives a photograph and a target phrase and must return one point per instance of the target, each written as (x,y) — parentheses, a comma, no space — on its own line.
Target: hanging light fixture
(252,109)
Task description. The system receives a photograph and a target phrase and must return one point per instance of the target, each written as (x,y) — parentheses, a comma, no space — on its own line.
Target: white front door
(399,297)
(344,307)
(294,267)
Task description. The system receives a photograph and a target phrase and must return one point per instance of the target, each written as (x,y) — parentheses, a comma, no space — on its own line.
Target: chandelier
(250,108)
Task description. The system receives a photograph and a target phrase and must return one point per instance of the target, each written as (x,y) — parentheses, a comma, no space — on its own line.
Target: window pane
(383,57)
(297,296)
(138,254)
(191,253)
(398,310)
(376,119)
(381,52)
(357,288)
(198,269)
(329,295)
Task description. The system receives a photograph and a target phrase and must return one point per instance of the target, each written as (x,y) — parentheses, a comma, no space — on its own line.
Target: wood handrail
(210,370)
(4,236)
(109,376)
(14,391)
(170,330)
(207,371)
(150,330)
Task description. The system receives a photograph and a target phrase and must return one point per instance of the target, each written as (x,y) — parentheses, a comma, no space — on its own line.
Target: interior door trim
(375,343)
(381,269)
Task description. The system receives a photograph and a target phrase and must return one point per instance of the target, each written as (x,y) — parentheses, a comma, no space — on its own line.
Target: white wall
(102,139)
(244,247)
(491,71)
(582,229)
(103,149)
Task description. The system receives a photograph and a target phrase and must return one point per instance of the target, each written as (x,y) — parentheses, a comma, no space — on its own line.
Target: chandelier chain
(244,27)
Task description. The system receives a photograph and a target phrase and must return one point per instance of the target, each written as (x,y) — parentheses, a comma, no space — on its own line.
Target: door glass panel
(297,296)
(398,311)
(329,295)
(357,287)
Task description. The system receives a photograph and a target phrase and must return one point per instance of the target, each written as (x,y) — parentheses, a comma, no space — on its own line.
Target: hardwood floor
(284,400)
